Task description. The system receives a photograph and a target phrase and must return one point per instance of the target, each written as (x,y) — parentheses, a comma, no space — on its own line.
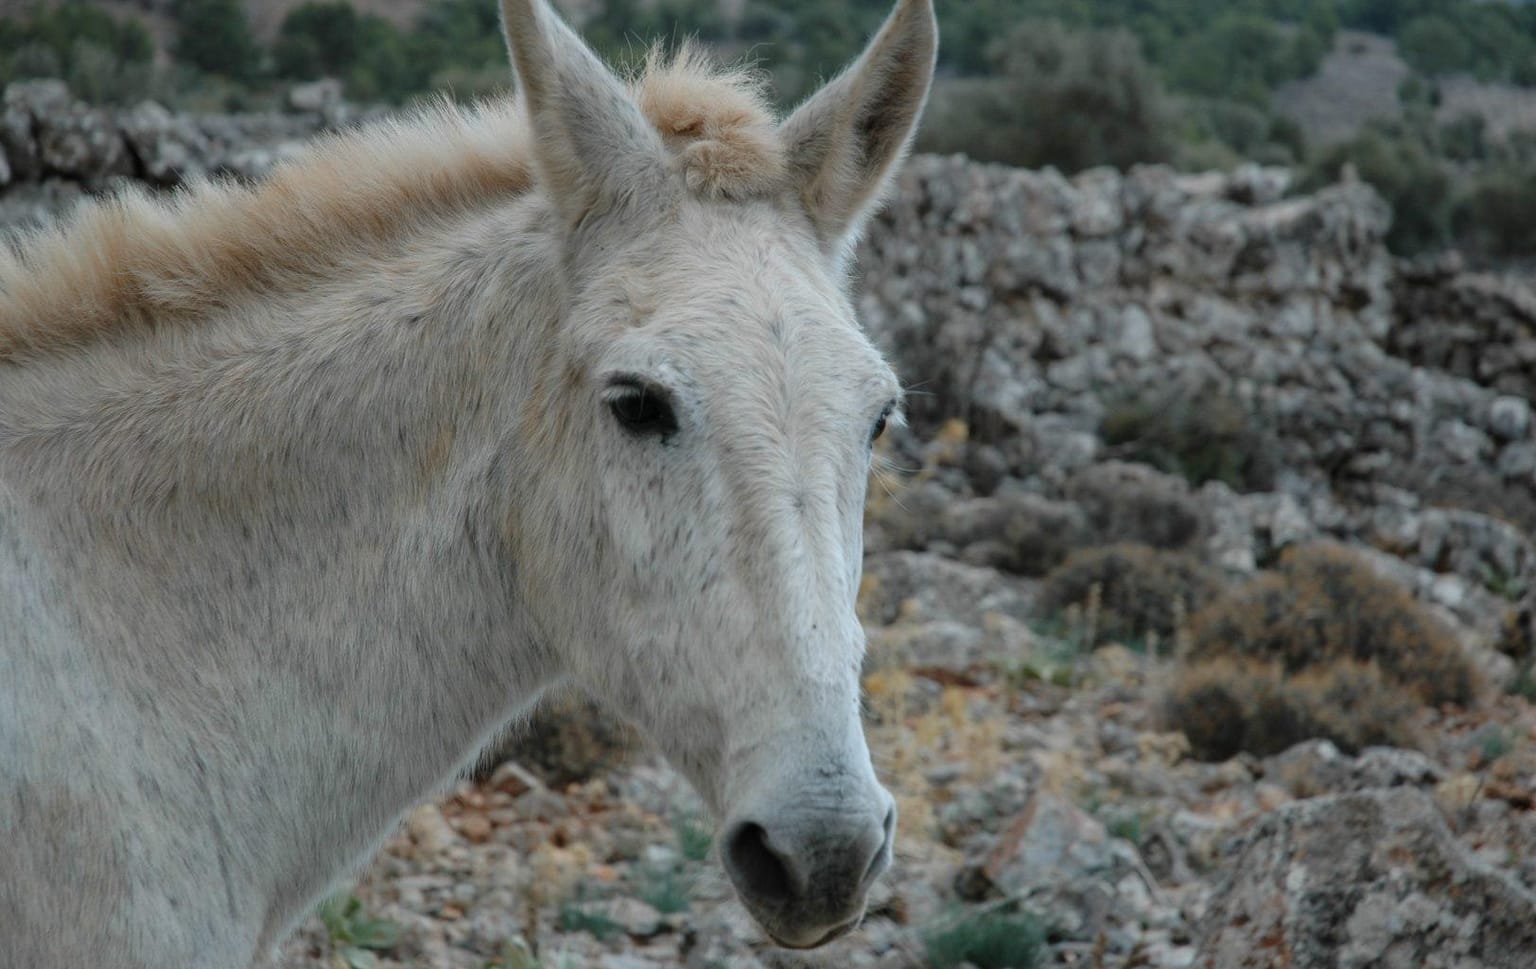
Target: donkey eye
(642,409)
(880,422)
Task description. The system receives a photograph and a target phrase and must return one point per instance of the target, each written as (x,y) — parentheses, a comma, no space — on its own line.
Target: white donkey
(308,487)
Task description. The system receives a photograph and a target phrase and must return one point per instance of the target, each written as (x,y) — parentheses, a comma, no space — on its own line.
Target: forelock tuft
(716,121)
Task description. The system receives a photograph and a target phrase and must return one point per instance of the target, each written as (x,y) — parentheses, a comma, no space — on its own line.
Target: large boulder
(1371,879)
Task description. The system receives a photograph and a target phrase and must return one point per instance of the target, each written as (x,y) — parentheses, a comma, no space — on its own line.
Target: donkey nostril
(757,869)
(882,857)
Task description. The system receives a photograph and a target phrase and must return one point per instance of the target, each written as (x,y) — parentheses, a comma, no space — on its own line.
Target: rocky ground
(1208,366)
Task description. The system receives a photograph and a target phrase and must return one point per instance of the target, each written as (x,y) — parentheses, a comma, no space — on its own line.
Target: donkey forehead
(733,291)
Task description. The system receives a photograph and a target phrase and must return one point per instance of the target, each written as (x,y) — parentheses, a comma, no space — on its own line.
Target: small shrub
(1494,216)
(317,38)
(516,953)
(1353,704)
(1493,742)
(355,938)
(1127,502)
(1517,635)
(1141,590)
(665,889)
(1200,432)
(1434,45)
(990,939)
(1228,705)
(1524,683)
(1131,826)
(574,917)
(1399,165)
(1327,604)
(693,838)
(1213,703)
(215,36)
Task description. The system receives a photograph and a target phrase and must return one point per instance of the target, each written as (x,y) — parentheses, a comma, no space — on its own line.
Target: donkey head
(704,421)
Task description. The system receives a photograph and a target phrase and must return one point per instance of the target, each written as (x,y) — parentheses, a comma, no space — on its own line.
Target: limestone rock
(1367,879)
(169,148)
(316,96)
(1067,867)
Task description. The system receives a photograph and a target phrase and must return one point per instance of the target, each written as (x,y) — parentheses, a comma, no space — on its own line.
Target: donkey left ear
(591,142)
(845,141)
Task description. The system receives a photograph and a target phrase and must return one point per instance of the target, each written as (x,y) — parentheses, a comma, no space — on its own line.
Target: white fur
(270,577)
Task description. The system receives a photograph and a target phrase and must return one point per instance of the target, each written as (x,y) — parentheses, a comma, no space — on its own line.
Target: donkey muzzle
(803,873)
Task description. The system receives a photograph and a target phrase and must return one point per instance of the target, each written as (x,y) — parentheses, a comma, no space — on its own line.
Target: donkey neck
(278,530)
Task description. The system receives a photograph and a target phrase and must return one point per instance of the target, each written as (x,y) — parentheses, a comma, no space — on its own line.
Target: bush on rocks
(1198,432)
(1323,648)
(1229,705)
(569,739)
(1517,636)
(1327,604)
(1020,533)
(1135,503)
(986,940)
(1141,591)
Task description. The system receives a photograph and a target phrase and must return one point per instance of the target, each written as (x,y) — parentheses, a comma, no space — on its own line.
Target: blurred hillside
(1431,101)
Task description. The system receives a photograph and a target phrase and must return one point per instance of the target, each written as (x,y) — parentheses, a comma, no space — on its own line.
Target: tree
(1496,215)
(1399,166)
(1072,99)
(78,41)
(1243,56)
(215,36)
(317,38)
(1433,45)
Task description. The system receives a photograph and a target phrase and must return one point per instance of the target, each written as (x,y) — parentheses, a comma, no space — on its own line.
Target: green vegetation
(97,55)
(1493,741)
(518,954)
(992,938)
(694,838)
(665,888)
(1089,99)
(574,917)
(355,938)
(1067,83)
(215,36)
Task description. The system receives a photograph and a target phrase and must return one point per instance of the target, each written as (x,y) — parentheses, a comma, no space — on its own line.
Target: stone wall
(1390,402)
(54,149)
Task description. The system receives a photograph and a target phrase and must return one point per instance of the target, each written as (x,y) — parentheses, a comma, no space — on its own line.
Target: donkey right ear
(592,146)
(845,141)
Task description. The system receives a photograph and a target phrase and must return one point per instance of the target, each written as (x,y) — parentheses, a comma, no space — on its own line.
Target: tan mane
(138,260)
